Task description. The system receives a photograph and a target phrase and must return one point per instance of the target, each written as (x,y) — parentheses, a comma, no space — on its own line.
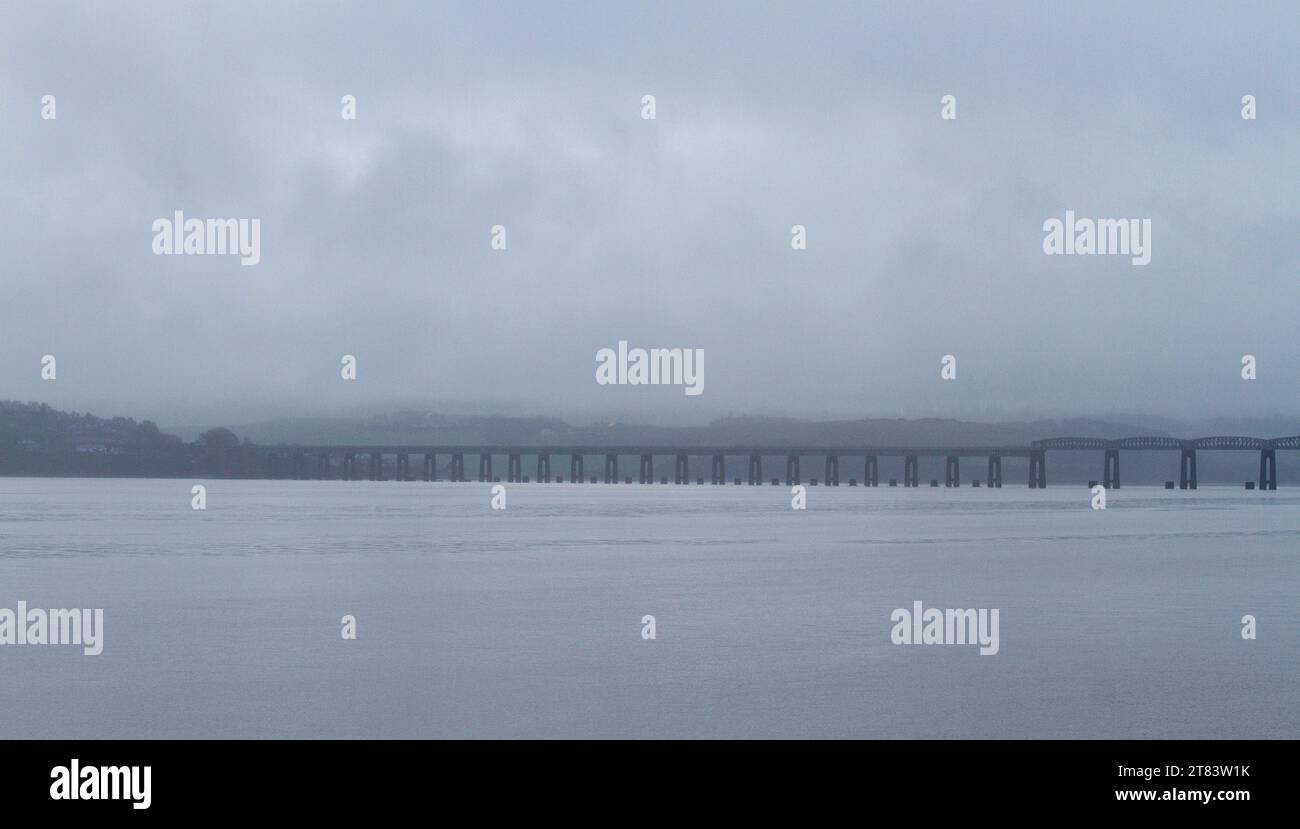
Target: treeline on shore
(38,440)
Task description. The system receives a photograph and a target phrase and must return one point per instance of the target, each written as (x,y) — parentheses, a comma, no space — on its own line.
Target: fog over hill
(431,428)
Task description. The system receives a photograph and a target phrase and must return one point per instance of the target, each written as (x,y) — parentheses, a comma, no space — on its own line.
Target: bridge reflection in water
(368,462)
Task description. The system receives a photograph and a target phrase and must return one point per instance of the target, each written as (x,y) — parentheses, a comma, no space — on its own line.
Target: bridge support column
(376,466)
(911,471)
(577,472)
(1187,470)
(1038,469)
(430,466)
(682,469)
(514,468)
(349,466)
(646,469)
(403,466)
(457,467)
(871,472)
(1267,469)
(832,470)
(323,466)
(755,470)
(791,470)
(719,469)
(484,468)
(611,469)
(1110,472)
(952,471)
(995,470)
(544,469)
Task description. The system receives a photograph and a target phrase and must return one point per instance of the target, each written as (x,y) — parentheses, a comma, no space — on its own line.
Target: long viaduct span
(368,462)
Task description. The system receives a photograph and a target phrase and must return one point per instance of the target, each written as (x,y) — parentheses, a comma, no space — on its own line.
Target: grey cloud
(924,236)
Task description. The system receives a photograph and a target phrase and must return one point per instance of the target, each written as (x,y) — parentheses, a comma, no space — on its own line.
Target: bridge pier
(577,472)
(646,469)
(952,471)
(1267,469)
(719,469)
(682,469)
(995,471)
(544,468)
(791,470)
(323,466)
(832,470)
(430,466)
(611,469)
(514,468)
(1110,472)
(871,472)
(376,466)
(403,466)
(484,467)
(911,471)
(755,470)
(1038,469)
(457,467)
(1187,470)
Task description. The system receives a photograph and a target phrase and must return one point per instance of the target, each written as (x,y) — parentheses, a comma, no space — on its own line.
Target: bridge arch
(1073,443)
(1150,442)
(1229,442)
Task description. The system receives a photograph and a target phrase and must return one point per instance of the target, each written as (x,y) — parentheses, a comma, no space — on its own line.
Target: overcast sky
(924,235)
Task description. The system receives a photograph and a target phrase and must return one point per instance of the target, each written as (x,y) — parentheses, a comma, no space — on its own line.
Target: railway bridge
(372,462)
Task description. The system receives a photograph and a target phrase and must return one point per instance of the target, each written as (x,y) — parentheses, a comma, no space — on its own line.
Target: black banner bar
(146,779)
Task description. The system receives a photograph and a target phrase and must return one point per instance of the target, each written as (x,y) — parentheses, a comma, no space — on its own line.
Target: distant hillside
(38,440)
(406,427)
(417,428)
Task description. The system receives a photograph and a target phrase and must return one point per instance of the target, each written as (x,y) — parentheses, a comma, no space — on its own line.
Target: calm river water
(770,622)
